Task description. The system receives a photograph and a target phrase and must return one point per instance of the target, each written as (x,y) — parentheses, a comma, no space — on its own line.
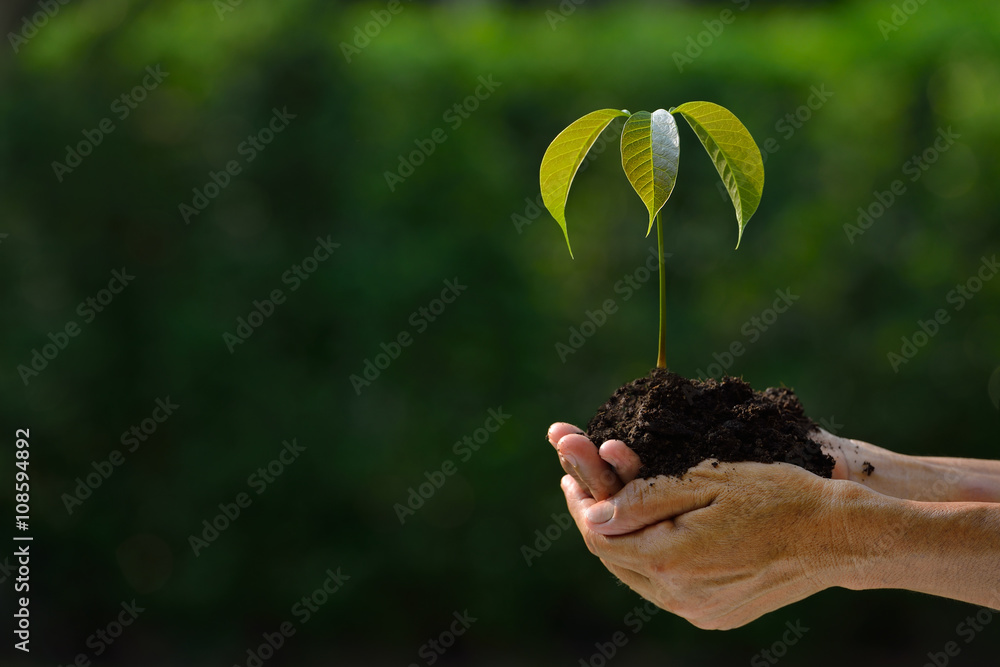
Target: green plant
(650,158)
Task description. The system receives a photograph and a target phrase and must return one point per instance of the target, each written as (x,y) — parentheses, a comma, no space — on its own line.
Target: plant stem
(661,358)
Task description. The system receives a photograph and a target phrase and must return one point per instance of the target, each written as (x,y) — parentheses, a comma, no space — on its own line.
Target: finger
(645,502)
(590,469)
(570,469)
(578,500)
(559,430)
(625,462)
(834,447)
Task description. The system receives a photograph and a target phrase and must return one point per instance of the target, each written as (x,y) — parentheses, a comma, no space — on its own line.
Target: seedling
(650,158)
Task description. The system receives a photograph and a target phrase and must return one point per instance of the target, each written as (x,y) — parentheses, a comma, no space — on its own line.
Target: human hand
(723,546)
(720,546)
(603,471)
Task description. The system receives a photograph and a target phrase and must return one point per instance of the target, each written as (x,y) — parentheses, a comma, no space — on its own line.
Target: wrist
(862,527)
(940,548)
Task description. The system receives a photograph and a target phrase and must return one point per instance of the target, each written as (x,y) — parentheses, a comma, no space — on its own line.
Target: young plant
(650,157)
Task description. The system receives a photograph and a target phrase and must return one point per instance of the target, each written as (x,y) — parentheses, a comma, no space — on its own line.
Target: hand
(603,472)
(720,546)
(723,546)
(600,472)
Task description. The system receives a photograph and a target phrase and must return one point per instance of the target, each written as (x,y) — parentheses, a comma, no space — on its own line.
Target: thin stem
(661,359)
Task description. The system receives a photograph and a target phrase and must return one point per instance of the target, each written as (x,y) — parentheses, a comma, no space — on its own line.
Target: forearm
(924,478)
(977,479)
(950,549)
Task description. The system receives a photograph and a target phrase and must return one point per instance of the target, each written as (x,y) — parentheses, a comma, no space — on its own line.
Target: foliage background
(324,175)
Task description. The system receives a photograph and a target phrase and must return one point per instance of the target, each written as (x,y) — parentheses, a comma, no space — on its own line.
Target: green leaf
(563,158)
(651,151)
(734,153)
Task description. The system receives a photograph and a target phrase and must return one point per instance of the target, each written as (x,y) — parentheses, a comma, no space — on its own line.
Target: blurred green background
(465,214)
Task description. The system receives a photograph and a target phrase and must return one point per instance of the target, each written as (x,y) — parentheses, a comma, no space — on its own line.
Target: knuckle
(608,477)
(639,491)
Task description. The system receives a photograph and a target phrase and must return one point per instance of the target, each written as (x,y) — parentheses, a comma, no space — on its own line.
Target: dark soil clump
(673,424)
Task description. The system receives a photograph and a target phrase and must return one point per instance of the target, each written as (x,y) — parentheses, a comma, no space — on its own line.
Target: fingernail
(572,461)
(600,513)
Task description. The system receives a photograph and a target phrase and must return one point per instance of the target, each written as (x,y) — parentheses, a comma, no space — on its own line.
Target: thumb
(644,502)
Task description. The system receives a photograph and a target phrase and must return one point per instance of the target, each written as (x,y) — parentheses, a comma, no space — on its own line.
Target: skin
(705,546)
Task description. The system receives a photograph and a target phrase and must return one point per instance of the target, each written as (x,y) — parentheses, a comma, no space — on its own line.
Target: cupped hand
(601,472)
(719,546)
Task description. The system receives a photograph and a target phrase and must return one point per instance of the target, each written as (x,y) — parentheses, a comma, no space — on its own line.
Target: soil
(674,423)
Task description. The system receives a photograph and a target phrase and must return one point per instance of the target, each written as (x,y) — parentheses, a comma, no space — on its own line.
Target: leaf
(734,153)
(563,158)
(651,151)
